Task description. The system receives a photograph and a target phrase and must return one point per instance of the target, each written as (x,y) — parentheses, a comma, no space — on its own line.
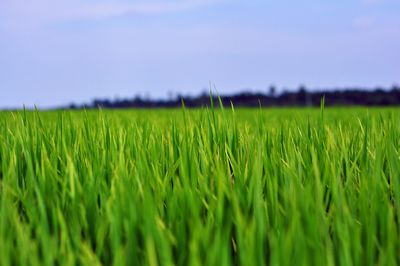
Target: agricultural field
(200,187)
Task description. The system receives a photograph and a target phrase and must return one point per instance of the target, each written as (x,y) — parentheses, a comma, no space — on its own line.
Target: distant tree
(302,97)
(137,98)
(170,96)
(272,91)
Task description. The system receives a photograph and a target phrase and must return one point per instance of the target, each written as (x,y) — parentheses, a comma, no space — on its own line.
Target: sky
(55,52)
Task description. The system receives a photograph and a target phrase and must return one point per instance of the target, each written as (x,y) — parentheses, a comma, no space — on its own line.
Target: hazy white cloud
(111,9)
(372,1)
(21,14)
(363,22)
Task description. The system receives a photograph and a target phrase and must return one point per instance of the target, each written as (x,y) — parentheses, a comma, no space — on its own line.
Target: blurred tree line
(301,97)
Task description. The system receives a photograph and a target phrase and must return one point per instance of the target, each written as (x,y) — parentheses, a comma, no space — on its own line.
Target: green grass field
(200,187)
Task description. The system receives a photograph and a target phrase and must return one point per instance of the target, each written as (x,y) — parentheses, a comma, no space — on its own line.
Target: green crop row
(200,187)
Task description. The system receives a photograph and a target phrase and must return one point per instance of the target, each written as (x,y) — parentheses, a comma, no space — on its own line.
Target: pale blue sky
(54,52)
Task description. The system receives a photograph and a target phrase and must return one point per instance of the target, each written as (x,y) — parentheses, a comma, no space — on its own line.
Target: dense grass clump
(200,187)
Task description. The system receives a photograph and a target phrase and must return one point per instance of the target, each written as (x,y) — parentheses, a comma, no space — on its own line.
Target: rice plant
(200,187)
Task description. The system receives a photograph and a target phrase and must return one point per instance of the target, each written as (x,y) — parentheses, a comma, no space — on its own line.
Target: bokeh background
(55,52)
